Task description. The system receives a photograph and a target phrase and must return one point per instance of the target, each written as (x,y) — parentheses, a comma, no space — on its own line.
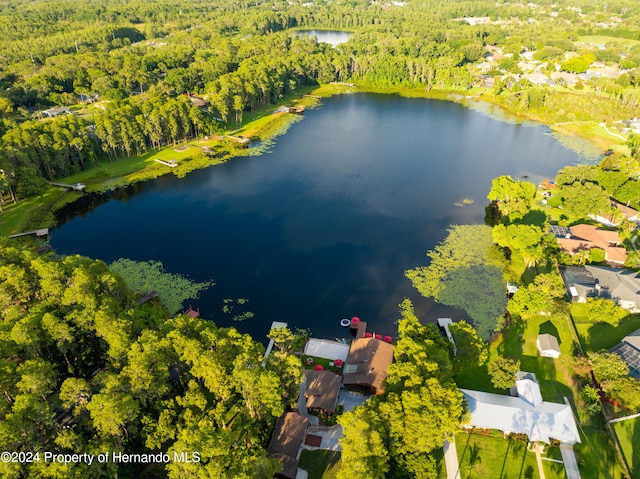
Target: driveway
(350,400)
(329,435)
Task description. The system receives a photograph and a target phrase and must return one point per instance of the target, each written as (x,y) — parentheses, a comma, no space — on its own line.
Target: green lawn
(628,433)
(320,464)
(596,455)
(603,40)
(519,341)
(310,362)
(595,337)
(499,458)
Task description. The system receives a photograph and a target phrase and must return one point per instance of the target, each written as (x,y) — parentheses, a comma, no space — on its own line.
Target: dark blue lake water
(325,225)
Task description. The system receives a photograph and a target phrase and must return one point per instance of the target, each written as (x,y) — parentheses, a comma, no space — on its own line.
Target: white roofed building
(327,349)
(527,413)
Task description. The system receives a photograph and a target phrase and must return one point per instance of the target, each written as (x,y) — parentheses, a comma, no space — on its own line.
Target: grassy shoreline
(264,125)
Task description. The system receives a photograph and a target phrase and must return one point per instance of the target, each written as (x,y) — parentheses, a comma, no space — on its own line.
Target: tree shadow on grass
(545,369)
(512,340)
(534,217)
(506,457)
(549,328)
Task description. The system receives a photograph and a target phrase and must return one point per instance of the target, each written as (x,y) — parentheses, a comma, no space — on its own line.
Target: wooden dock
(150,295)
(40,232)
(444,324)
(76,187)
(240,139)
(170,163)
(274,324)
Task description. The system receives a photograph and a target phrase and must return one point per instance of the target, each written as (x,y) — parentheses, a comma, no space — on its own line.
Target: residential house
(526,413)
(623,211)
(59,110)
(548,346)
(290,431)
(623,286)
(199,102)
(367,364)
(586,237)
(629,351)
(322,390)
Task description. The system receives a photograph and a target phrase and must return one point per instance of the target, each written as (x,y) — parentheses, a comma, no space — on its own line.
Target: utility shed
(548,346)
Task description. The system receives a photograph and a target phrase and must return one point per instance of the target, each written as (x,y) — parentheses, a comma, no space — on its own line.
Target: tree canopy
(421,404)
(86,369)
(514,197)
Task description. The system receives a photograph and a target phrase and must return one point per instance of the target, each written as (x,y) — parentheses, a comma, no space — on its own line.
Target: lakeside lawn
(628,433)
(36,212)
(320,464)
(519,341)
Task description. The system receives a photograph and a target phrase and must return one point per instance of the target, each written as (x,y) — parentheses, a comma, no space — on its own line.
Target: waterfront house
(586,237)
(524,413)
(366,367)
(322,390)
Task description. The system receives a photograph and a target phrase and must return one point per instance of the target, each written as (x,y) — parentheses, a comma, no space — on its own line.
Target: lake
(324,226)
(332,37)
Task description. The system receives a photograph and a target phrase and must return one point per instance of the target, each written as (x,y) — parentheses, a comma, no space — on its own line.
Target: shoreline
(264,126)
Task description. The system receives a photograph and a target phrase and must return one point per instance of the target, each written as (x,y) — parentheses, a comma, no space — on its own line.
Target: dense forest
(87,369)
(123,69)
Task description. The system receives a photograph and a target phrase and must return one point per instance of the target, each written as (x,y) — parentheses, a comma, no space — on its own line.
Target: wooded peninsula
(97,359)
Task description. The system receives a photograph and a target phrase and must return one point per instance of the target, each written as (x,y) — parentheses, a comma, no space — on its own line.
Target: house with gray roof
(527,413)
(620,285)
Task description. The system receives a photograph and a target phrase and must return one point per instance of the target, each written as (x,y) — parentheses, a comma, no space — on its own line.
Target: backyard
(596,454)
(320,464)
(500,458)
(628,433)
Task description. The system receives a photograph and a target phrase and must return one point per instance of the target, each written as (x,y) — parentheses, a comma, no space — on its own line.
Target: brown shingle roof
(287,437)
(367,364)
(322,389)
